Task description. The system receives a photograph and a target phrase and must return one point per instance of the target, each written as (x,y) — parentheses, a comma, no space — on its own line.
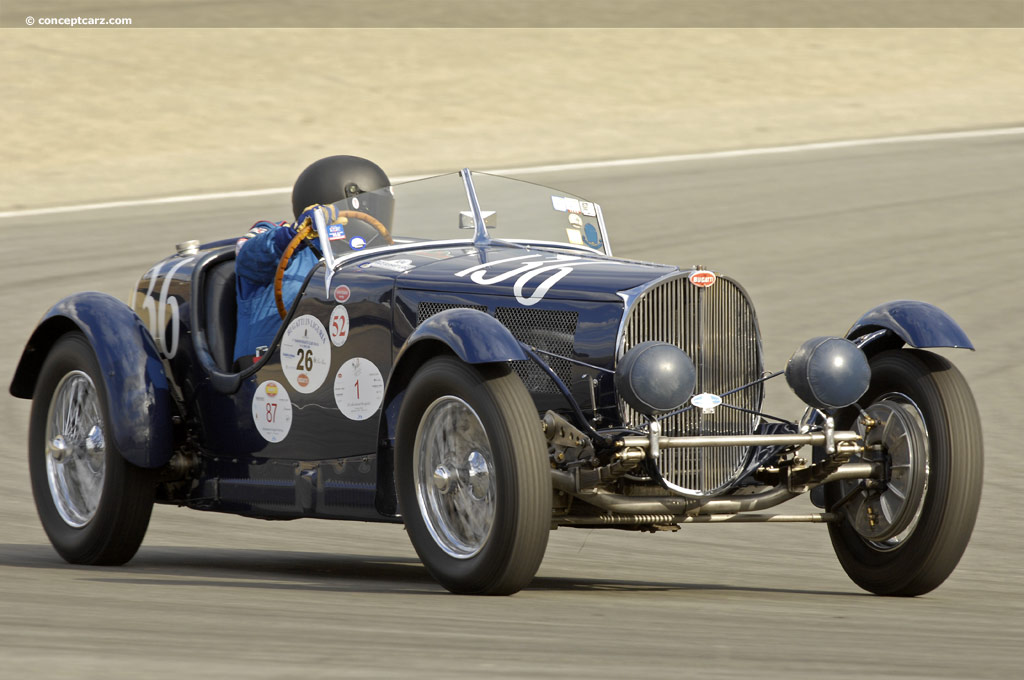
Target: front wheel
(905,534)
(472,475)
(93,504)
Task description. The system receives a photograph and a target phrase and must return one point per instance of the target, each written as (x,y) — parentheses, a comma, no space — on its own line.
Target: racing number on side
(157,311)
(305,360)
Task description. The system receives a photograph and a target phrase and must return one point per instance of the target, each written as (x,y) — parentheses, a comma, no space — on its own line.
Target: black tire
(514,496)
(105,525)
(939,517)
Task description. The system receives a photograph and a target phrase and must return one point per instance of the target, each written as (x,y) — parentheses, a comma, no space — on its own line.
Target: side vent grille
(547,330)
(425,310)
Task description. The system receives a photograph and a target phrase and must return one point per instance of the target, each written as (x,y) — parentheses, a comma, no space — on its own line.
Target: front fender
(917,324)
(138,392)
(474,336)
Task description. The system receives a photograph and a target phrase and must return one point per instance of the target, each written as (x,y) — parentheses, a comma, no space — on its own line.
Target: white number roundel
(339,326)
(272,411)
(306,353)
(358,388)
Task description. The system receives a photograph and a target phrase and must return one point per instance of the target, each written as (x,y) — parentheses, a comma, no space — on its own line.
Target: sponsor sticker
(358,388)
(357,243)
(575,220)
(588,209)
(398,265)
(592,236)
(272,411)
(335,232)
(342,293)
(306,353)
(703,278)
(575,237)
(706,402)
(566,204)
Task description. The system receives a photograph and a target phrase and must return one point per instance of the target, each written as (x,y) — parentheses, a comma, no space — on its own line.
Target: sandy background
(92,115)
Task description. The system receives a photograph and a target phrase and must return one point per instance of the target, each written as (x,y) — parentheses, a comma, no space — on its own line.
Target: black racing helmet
(334,179)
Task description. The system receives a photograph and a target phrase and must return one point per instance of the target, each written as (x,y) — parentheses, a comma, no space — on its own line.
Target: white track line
(538,169)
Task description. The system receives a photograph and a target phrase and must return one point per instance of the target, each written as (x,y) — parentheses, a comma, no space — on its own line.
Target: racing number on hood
(556,269)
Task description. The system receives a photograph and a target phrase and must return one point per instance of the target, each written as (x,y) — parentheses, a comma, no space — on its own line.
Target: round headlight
(828,373)
(655,377)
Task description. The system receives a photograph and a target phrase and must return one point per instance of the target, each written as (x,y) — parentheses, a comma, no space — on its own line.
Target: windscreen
(438,208)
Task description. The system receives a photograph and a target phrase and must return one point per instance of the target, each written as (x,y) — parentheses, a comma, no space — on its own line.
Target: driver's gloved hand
(329,212)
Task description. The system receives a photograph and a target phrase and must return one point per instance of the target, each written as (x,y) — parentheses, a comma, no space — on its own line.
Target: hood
(527,274)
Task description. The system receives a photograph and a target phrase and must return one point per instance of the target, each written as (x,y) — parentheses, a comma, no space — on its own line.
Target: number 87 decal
(339,326)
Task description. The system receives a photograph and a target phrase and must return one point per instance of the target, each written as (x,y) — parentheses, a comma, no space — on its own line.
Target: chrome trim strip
(604,230)
(481,238)
(629,298)
(812,439)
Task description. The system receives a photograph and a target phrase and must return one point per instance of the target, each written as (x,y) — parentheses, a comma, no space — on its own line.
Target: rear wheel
(93,504)
(473,479)
(906,534)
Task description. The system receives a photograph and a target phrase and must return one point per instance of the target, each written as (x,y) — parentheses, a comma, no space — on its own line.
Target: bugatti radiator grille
(546,329)
(716,326)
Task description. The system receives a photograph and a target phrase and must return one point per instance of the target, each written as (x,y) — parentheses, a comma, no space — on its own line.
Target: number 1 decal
(358,388)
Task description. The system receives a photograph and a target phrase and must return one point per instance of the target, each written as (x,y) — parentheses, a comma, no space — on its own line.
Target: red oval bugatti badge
(342,293)
(702,278)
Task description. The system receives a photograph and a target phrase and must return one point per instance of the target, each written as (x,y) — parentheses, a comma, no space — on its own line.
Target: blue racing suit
(258,254)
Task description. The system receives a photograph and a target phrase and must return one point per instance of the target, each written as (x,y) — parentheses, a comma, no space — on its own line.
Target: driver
(326,181)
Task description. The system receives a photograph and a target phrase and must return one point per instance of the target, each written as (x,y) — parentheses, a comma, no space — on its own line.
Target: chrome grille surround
(717,327)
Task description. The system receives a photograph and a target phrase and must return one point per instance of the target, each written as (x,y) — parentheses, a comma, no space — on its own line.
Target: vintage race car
(471,360)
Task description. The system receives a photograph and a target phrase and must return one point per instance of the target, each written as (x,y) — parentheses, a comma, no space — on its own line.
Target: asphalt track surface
(816,237)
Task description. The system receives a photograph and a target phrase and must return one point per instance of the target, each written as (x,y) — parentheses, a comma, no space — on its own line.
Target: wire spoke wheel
(75,449)
(453,465)
(472,476)
(93,504)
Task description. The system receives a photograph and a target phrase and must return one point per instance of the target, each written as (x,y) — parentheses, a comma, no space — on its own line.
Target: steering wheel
(286,256)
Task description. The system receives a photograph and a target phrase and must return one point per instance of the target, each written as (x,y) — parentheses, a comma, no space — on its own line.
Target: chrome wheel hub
(886,514)
(453,466)
(75,449)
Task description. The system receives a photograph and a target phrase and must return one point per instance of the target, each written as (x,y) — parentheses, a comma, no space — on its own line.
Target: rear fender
(918,324)
(138,392)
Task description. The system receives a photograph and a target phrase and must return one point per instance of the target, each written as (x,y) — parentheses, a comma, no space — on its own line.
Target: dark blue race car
(471,360)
